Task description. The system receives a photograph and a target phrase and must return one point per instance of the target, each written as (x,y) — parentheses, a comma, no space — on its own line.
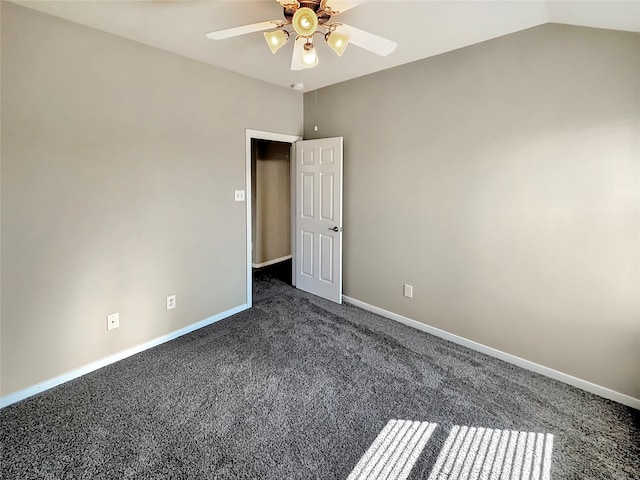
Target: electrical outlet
(171,302)
(113,321)
(239,195)
(408,291)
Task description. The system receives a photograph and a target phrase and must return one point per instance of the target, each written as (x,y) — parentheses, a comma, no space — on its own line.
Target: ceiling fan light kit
(309,59)
(307,18)
(337,41)
(305,22)
(276,40)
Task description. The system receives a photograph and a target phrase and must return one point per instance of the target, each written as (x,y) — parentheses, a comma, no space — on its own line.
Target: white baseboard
(53,382)
(507,357)
(271,262)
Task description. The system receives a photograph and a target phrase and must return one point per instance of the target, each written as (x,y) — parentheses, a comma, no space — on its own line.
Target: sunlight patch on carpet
(394,451)
(471,453)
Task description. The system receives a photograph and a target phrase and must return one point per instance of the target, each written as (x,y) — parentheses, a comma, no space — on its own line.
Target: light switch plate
(239,196)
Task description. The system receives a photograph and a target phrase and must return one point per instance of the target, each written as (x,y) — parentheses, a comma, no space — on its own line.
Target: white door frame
(276,137)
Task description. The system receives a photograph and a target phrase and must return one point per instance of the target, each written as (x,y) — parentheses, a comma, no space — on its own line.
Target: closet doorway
(271,209)
(270,202)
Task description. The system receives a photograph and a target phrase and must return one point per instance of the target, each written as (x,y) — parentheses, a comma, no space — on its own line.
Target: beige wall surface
(272,208)
(119,164)
(502,182)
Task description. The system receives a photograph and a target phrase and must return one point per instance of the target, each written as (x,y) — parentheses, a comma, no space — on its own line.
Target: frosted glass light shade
(276,40)
(309,59)
(337,41)
(305,22)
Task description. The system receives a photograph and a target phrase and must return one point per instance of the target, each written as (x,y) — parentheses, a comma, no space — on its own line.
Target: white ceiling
(421,29)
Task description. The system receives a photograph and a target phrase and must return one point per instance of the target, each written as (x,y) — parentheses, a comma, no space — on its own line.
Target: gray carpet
(298,387)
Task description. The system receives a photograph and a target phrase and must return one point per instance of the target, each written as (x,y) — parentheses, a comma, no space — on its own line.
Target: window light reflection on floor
(485,453)
(394,451)
(469,453)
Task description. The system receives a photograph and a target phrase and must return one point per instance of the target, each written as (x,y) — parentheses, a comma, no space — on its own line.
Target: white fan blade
(367,40)
(297,53)
(243,30)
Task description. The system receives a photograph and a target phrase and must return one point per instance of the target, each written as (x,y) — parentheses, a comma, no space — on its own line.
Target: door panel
(306,255)
(319,217)
(307,194)
(326,256)
(326,156)
(326,197)
(307,156)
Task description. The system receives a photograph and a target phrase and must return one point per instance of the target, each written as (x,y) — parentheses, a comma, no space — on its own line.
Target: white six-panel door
(318,225)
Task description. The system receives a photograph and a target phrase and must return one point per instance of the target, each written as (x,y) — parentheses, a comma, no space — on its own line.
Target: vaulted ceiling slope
(421,28)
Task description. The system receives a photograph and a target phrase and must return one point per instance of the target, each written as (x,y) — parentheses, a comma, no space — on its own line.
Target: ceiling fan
(308,18)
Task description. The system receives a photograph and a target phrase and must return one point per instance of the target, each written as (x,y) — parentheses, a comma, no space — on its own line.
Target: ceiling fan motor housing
(322,15)
(312,4)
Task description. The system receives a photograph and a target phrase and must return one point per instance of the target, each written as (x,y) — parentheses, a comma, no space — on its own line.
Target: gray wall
(272,202)
(502,182)
(119,163)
